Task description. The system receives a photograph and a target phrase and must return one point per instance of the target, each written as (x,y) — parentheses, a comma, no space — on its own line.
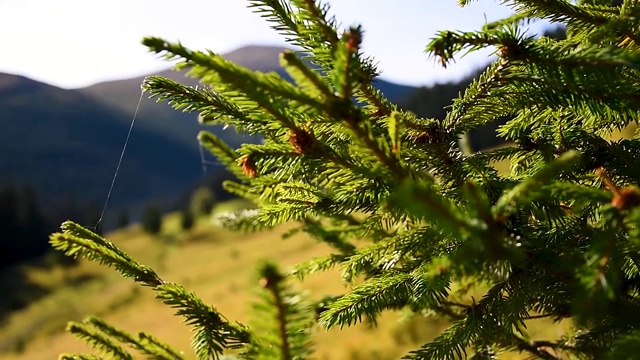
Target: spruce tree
(201,201)
(152,219)
(123,219)
(410,215)
(186,219)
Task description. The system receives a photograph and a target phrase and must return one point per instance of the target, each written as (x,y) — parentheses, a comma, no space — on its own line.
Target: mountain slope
(66,143)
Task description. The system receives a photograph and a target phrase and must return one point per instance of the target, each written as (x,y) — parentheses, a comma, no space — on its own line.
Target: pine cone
(248,166)
(354,39)
(626,198)
(301,140)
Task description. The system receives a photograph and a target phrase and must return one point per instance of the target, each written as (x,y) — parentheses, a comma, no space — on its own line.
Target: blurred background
(70,76)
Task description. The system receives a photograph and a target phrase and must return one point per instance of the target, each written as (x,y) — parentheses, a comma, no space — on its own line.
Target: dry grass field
(218,265)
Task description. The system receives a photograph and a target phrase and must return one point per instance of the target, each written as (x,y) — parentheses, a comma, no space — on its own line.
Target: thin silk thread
(124,149)
(203,162)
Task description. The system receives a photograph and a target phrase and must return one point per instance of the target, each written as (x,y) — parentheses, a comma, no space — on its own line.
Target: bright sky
(75,43)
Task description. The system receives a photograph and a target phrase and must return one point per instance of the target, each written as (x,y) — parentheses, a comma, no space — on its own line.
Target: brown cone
(301,140)
(248,166)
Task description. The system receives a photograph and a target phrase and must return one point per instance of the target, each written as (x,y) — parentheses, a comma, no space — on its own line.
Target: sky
(76,43)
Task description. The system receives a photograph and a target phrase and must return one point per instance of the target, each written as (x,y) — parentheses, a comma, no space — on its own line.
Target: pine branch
(425,203)
(242,220)
(509,200)
(144,343)
(563,11)
(331,238)
(316,265)
(368,299)
(211,105)
(77,241)
(476,106)
(449,345)
(536,348)
(317,12)
(225,154)
(409,214)
(251,83)
(283,321)
(390,289)
(159,346)
(98,340)
(272,278)
(302,73)
(320,40)
(78,357)
(213,332)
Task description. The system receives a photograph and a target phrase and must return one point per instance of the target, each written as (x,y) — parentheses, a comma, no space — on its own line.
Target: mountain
(67,144)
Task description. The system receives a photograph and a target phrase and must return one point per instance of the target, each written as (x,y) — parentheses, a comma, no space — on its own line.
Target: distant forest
(25,226)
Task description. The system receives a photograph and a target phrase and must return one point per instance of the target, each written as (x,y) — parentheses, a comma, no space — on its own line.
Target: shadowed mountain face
(66,143)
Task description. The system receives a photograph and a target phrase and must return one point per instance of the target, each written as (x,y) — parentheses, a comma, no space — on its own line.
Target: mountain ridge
(66,142)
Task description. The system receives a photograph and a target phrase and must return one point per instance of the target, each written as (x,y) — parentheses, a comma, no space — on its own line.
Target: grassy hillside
(220,267)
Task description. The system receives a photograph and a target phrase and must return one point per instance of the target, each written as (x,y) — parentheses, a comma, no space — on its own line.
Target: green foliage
(213,333)
(202,201)
(407,214)
(105,337)
(186,219)
(152,219)
(283,322)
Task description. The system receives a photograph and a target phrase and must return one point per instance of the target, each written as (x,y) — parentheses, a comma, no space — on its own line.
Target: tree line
(25,225)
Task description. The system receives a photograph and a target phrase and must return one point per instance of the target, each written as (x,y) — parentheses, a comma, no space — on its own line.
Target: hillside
(229,283)
(78,135)
(67,144)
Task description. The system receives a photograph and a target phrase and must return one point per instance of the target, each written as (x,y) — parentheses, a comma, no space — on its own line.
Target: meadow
(220,266)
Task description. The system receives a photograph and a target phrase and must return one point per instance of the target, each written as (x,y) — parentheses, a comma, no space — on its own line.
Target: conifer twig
(328,31)
(282,320)
(535,347)
(390,163)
